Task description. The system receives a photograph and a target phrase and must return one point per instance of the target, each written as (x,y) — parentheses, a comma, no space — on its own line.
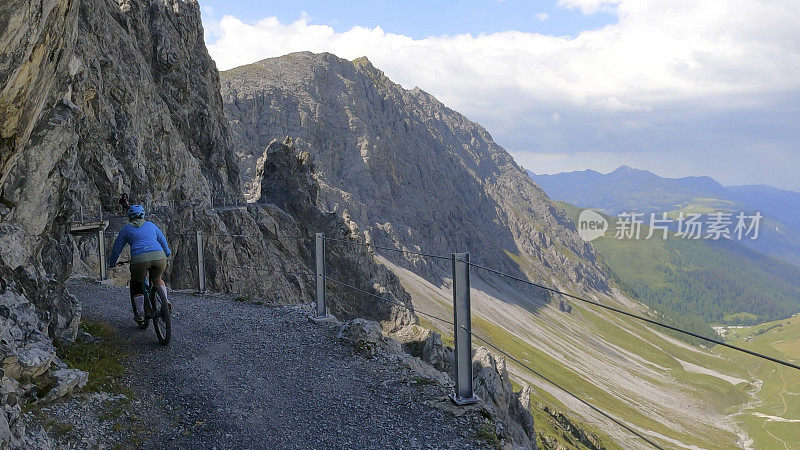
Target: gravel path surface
(243,375)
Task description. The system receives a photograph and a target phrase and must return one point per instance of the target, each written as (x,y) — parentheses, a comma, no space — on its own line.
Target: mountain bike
(156,308)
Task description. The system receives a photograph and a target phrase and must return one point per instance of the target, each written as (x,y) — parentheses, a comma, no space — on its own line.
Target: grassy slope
(628,369)
(780,394)
(645,266)
(544,339)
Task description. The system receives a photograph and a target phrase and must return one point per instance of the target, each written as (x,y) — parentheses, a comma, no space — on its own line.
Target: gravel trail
(241,375)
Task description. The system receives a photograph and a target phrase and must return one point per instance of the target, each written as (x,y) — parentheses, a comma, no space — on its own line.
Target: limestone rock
(365,336)
(436,354)
(104,98)
(409,172)
(588,440)
(24,346)
(493,386)
(427,345)
(66,381)
(286,181)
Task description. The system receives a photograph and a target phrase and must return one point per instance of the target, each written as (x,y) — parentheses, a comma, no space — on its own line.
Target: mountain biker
(149,252)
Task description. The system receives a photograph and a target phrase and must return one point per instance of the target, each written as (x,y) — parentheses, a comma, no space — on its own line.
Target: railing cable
(408,252)
(383,299)
(636,316)
(594,408)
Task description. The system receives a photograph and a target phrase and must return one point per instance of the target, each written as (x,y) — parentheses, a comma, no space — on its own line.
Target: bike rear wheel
(162,322)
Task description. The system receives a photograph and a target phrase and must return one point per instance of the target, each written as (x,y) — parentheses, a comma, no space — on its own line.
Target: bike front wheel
(162,322)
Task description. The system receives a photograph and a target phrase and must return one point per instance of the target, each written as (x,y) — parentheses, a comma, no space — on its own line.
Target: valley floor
(243,375)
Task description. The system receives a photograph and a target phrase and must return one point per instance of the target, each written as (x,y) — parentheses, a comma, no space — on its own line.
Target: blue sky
(678,87)
(420,19)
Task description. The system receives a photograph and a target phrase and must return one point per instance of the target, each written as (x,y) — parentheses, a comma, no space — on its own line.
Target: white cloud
(541,16)
(660,51)
(663,60)
(589,6)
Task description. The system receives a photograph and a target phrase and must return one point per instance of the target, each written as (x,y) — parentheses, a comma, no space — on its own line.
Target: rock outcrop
(287,185)
(100,98)
(403,169)
(509,411)
(493,386)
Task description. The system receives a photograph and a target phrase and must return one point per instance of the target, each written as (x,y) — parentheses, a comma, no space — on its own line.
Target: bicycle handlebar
(122,263)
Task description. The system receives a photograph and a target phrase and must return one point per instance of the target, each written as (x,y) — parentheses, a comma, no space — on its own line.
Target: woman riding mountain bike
(149,252)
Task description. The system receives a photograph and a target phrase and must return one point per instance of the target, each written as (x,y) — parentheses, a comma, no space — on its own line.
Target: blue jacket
(147,238)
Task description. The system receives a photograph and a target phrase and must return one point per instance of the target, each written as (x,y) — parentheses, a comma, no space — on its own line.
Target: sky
(677,87)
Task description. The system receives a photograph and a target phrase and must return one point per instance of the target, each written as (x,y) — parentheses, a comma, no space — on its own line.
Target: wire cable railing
(638,317)
(274,238)
(377,247)
(545,378)
(613,419)
(457,321)
(608,416)
(386,300)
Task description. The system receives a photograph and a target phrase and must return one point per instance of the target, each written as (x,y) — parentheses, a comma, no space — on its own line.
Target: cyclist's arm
(163,241)
(119,244)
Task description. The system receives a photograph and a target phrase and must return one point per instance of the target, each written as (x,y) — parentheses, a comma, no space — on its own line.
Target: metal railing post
(462,328)
(101,247)
(201,263)
(321,311)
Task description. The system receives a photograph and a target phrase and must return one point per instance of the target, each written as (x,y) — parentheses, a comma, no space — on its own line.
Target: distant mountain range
(632,190)
(701,282)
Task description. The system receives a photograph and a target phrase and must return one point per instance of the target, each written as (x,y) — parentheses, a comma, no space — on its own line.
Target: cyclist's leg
(157,269)
(138,272)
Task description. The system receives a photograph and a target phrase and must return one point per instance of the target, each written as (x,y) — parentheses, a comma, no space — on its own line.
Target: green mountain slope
(696,282)
(632,190)
(774,420)
(678,394)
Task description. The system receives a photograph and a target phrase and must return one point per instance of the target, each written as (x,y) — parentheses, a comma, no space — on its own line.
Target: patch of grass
(103,360)
(574,382)
(114,411)
(243,299)
(487,433)
(422,381)
(778,394)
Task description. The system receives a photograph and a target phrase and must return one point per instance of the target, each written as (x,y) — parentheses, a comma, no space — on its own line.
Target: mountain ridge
(636,190)
(377,145)
(408,173)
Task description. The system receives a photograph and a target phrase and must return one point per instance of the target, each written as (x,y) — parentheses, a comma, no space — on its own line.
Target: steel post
(201,263)
(101,246)
(321,311)
(462,331)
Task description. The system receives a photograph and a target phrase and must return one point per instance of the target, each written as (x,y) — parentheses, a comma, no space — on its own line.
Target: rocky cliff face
(104,97)
(403,169)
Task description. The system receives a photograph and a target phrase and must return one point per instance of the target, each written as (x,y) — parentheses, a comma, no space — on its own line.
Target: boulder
(365,336)
(24,345)
(66,381)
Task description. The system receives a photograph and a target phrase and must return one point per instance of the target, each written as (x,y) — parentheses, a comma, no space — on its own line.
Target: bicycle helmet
(135,212)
